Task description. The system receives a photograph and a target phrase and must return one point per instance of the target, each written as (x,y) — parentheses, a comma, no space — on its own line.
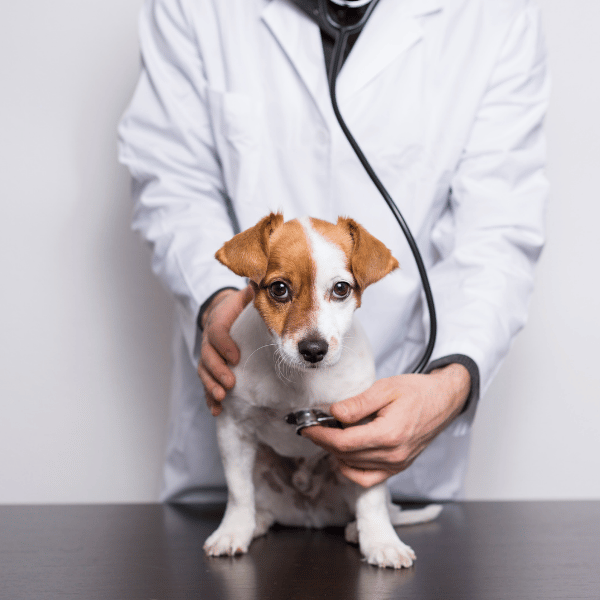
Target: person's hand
(408,412)
(218,350)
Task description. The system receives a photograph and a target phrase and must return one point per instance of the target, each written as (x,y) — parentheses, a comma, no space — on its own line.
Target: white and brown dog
(301,349)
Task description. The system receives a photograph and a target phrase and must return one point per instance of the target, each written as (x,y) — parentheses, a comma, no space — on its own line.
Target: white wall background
(84,328)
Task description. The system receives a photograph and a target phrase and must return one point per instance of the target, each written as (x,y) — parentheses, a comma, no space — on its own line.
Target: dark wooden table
(475,550)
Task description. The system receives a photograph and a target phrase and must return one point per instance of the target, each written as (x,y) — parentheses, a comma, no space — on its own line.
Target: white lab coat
(446,98)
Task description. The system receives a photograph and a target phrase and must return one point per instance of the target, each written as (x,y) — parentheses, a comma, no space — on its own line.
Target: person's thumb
(236,304)
(356,408)
(247,295)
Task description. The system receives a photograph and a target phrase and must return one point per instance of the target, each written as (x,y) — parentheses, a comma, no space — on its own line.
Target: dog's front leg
(238,453)
(377,539)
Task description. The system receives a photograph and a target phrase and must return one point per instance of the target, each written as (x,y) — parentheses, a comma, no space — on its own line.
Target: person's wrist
(456,381)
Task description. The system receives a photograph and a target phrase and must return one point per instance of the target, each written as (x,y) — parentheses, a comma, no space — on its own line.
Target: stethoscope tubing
(340,34)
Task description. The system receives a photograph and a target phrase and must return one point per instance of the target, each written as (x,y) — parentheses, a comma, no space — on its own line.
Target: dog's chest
(261,407)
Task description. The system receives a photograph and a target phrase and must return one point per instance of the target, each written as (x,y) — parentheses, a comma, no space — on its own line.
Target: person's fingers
(218,348)
(216,366)
(391,461)
(217,332)
(213,392)
(375,434)
(217,336)
(364,478)
(211,385)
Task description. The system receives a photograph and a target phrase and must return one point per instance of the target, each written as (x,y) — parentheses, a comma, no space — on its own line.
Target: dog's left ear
(371,260)
(247,253)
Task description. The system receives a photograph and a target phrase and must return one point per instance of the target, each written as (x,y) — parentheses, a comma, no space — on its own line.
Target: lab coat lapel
(300,39)
(393,28)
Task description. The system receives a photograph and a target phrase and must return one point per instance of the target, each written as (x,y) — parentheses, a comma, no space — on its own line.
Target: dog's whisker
(280,362)
(349,349)
(255,351)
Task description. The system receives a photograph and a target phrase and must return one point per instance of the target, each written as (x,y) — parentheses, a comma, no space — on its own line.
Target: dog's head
(308,276)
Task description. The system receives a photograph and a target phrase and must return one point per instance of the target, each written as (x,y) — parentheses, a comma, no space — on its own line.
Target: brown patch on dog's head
(274,253)
(270,252)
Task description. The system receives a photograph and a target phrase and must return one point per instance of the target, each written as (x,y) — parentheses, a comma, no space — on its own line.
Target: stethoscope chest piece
(309,417)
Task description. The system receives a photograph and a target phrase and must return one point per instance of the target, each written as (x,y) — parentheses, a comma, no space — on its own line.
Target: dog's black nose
(313,350)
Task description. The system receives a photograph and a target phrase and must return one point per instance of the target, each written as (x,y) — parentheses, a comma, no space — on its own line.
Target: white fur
(333,318)
(269,385)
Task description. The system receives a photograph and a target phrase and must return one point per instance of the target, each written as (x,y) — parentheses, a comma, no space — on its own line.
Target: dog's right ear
(247,253)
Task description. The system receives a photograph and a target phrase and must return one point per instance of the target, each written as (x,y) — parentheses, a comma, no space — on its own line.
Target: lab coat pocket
(236,125)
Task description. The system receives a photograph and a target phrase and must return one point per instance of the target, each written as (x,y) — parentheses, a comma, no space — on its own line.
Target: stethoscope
(328,18)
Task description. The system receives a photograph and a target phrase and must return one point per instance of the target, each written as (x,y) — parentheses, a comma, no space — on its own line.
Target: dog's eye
(341,290)
(279,291)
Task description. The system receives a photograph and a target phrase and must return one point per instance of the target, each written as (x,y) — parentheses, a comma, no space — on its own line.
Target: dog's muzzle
(308,417)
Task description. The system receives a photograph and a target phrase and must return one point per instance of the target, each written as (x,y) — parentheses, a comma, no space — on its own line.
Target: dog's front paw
(228,542)
(391,553)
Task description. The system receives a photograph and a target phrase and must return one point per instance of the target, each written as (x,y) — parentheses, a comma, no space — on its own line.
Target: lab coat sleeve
(167,143)
(482,286)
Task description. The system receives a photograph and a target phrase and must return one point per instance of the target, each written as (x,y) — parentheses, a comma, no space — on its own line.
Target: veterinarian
(231,119)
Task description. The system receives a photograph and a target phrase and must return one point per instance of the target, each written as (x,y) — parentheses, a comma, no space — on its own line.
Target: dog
(301,350)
